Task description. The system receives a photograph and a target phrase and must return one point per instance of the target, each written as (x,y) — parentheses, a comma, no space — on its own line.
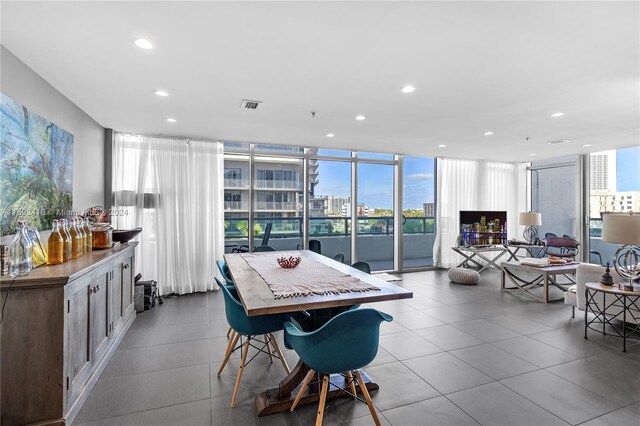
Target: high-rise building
(336,204)
(603,172)
(429,209)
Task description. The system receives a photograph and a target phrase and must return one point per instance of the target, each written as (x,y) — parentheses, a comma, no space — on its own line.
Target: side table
(626,303)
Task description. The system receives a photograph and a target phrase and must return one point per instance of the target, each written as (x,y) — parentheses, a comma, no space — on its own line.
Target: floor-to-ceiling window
(614,186)
(418,211)
(347,199)
(553,194)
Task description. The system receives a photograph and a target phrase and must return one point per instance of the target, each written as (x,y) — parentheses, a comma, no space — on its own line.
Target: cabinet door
(99,316)
(127,287)
(115,298)
(78,335)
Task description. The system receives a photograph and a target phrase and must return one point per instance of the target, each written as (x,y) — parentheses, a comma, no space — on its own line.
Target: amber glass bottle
(83,236)
(87,230)
(76,240)
(55,245)
(66,236)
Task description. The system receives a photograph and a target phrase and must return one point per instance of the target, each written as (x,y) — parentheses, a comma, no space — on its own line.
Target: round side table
(621,305)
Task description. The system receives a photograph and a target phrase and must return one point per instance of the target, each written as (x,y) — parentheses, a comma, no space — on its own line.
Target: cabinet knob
(126,266)
(97,288)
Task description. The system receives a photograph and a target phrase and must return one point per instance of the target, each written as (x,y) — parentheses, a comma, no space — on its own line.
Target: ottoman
(464,276)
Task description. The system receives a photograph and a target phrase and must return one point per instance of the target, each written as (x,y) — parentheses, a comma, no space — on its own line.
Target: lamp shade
(621,228)
(530,219)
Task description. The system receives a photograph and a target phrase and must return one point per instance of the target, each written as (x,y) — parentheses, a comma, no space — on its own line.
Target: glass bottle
(55,245)
(83,236)
(87,230)
(67,239)
(76,240)
(20,252)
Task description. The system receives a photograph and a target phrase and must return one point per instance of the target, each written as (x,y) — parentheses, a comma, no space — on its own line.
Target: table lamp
(624,228)
(530,220)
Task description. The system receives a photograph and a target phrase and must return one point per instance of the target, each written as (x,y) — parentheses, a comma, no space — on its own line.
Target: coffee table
(470,253)
(543,277)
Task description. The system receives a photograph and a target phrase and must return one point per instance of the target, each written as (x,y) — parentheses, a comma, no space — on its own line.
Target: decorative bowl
(289,262)
(125,235)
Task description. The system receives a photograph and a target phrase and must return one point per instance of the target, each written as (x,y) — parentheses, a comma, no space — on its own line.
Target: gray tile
(245,413)
(170,387)
(392,307)
(109,398)
(407,345)
(217,348)
(415,319)
(180,333)
(482,310)
(175,355)
(258,376)
(432,412)
(391,327)
(449,314)
(342,412)
(571,403)
(485,330)
(383,357)
(606,377)
(448,337)
(569,340)
(126,362)
(398,386)
(196,413)
(495,404)
(535,352)
(520,324)
(621,417)
(218,328)
(493,362)
(422,302)
(447,373)
(634,407)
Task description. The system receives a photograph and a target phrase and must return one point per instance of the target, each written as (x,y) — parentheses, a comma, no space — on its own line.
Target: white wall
(23,85)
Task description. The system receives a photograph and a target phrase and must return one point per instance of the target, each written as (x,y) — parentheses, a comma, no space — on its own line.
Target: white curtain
(173,189)
(474,185)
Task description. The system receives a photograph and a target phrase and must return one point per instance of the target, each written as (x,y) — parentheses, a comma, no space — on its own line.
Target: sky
(375,182)
(628,169)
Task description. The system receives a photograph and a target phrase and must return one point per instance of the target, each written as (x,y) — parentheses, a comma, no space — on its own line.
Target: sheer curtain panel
(173,189)
(474,185)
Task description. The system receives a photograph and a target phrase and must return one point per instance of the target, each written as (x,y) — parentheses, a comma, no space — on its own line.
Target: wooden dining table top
(257,298)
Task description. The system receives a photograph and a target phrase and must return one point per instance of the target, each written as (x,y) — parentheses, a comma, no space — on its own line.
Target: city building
(429,209)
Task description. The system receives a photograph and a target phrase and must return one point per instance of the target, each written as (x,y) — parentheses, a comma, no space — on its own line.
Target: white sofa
(590,273)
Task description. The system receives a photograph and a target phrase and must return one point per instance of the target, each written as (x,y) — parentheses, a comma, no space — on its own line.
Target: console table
(470,253)
(61,325)
(621,299)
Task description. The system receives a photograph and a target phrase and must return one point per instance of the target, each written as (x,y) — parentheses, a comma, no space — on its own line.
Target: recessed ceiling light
(532,154)
(587,144)
(557,114)
(330,135)
(408,89)
(144,44)
(488,133)
(360,117)
(161,93)
(441,145)
(171,120)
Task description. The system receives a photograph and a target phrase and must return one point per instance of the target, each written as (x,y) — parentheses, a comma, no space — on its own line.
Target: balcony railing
(278,184)
(236,205)
(277,205)
(236,183)
(326,226)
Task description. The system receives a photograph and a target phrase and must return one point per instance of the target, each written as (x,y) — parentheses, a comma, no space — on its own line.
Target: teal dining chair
(323,351)
(224,271)
(248,328)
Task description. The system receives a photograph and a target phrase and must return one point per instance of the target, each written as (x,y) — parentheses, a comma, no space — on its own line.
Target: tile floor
(454,355)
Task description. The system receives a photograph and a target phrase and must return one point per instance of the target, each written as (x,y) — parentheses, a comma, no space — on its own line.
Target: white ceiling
(477,66)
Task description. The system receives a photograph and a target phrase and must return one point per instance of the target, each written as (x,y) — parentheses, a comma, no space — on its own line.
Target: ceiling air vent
(249,104)
(558,142)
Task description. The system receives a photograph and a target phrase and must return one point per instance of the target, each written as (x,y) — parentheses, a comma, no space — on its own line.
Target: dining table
(256,277)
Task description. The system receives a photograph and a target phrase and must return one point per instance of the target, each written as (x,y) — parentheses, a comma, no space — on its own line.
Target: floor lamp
(624,228)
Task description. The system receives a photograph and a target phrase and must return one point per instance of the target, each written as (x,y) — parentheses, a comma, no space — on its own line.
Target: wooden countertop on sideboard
(56,275)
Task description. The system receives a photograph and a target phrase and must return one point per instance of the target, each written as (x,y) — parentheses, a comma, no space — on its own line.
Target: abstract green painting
(36,168)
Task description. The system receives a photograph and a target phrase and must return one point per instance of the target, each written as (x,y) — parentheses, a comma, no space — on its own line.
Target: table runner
(307,279)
